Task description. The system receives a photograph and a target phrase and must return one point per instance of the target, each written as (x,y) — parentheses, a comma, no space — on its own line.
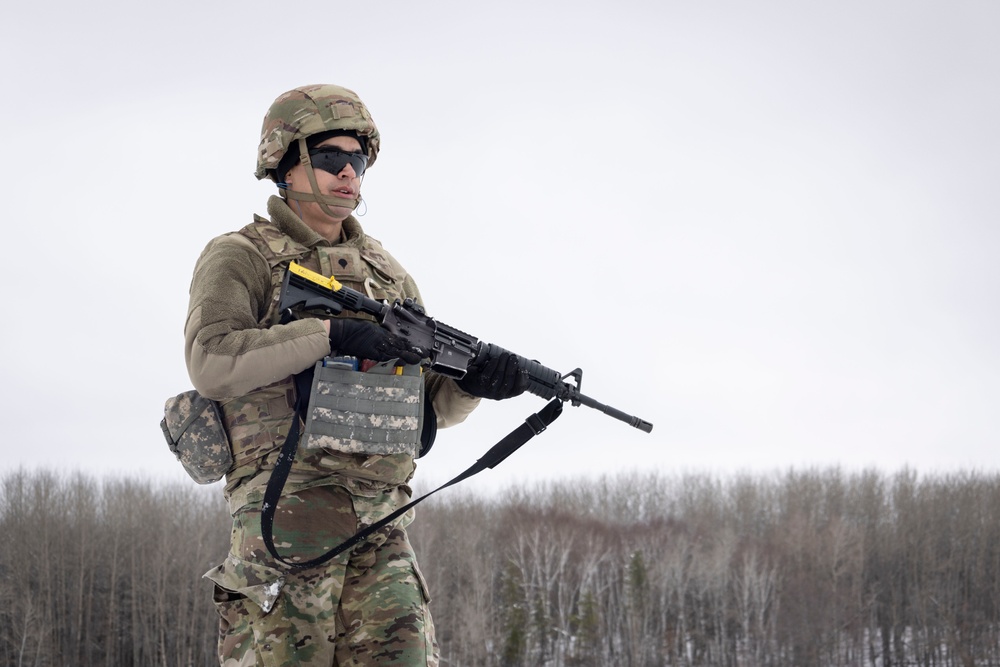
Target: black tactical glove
(498,378)
(367,340)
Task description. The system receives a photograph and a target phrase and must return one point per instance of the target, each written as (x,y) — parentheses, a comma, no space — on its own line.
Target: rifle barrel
(631,420)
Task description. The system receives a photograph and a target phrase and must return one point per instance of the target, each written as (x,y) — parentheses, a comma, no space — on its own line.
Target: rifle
(449,350)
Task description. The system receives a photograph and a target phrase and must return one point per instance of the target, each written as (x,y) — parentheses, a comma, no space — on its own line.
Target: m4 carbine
(449,351)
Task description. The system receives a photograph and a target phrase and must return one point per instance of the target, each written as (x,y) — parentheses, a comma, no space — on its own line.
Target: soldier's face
(344,185)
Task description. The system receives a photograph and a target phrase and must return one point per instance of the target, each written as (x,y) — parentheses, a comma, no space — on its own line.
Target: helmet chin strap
(324,201)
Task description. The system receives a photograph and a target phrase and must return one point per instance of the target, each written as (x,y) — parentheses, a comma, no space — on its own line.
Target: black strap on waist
(532,426)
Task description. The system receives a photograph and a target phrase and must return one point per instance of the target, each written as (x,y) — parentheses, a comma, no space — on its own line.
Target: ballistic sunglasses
(333,160)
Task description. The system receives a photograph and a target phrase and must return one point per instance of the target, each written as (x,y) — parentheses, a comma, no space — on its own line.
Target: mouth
(344,192)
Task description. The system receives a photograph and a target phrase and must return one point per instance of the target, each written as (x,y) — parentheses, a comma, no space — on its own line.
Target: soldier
(369,605)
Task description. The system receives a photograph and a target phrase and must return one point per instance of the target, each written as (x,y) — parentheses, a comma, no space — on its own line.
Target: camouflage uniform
(366,609)
(368,606)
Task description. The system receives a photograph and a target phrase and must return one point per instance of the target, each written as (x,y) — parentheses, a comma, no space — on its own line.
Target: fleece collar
(290,224)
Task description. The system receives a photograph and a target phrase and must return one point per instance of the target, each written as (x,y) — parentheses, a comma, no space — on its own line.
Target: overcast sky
(770,228)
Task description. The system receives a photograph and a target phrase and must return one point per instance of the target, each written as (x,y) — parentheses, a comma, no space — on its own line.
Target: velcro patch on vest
(341,262)
(363,413)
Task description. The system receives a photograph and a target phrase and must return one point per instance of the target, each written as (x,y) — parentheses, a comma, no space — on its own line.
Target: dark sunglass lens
(334,161)
(359,162)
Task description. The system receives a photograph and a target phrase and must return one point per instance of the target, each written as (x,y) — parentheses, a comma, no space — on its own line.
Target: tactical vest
(258,422)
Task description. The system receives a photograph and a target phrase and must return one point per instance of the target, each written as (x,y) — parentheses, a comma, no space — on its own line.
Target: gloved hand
(367,340)
(498,378)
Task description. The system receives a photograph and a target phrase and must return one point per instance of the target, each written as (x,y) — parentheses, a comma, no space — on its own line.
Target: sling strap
(532,426)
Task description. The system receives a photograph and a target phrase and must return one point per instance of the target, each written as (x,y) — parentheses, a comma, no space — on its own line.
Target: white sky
(769,228)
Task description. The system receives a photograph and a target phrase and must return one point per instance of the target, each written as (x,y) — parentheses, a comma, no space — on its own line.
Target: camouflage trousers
(366,607)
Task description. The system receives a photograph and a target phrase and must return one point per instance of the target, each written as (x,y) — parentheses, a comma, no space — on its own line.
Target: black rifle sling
(532,426)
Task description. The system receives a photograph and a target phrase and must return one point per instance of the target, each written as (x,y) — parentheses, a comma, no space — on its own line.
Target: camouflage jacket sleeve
(227,351)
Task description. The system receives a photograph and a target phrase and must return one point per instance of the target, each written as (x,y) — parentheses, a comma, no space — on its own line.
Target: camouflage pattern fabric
(361,263)
(363,413)
(194,432)
(259,421)
(365,608)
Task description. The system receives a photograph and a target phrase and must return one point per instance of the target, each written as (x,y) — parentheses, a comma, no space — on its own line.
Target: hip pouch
(195,434)
(375,412)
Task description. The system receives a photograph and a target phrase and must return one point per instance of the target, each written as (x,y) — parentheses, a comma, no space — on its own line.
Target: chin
(341,211)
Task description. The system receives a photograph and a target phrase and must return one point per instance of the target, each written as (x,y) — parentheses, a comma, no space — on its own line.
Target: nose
(347,172)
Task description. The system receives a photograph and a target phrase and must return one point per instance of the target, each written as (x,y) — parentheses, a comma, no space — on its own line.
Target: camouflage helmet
(309,110)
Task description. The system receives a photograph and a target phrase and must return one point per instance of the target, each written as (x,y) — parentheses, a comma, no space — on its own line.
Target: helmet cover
(309,110)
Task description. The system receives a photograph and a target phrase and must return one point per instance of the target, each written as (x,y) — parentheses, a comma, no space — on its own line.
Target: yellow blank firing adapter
(330,283)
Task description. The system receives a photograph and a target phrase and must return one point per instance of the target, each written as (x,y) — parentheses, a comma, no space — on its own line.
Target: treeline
(107,573)
(802,568)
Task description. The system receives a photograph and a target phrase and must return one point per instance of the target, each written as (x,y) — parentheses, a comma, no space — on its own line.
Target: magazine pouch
(374,412)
